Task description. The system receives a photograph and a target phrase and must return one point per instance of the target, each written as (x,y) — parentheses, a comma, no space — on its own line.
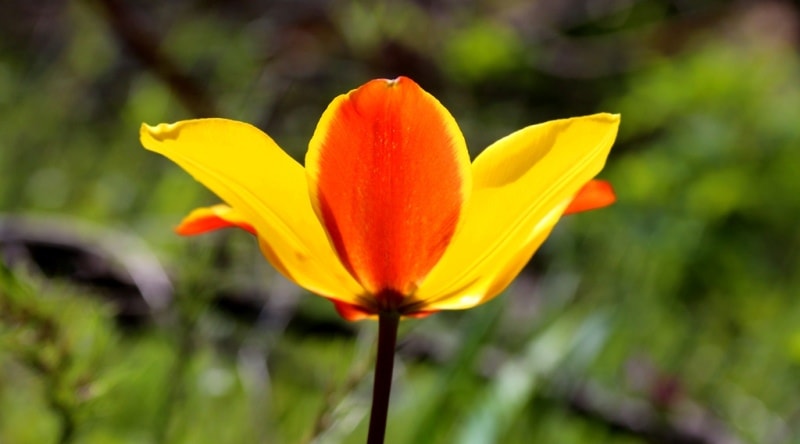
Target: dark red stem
(388,323)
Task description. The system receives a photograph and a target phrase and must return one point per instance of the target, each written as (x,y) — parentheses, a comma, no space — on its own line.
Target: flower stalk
(388,323)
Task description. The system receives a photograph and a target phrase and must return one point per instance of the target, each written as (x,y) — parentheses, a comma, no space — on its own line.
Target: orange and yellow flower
(388,213)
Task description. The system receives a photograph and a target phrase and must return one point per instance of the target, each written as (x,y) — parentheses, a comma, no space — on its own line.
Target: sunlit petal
(247,170)
(203,220)
(388,173)
(523,183)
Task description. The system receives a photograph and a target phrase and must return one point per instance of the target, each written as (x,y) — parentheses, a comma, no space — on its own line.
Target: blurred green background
(670,317)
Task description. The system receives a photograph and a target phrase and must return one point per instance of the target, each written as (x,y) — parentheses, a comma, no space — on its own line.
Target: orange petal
(388,174)
(202,220)
(594,195)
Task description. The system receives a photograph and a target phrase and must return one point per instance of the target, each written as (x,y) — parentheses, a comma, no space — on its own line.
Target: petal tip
(610,117)
(594,195)
(160,132)
(399,81)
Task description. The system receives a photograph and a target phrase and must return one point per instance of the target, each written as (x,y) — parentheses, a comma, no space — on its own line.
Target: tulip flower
(388,213)
(389,218)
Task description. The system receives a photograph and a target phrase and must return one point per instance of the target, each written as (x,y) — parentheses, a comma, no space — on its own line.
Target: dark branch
(145,47)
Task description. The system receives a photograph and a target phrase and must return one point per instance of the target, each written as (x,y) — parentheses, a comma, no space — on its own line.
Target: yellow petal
(263,184)
(522,185)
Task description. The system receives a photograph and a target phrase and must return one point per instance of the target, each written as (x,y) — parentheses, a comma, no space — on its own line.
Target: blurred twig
(143,45)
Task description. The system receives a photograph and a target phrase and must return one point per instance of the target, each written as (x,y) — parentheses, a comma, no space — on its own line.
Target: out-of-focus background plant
(671,317)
